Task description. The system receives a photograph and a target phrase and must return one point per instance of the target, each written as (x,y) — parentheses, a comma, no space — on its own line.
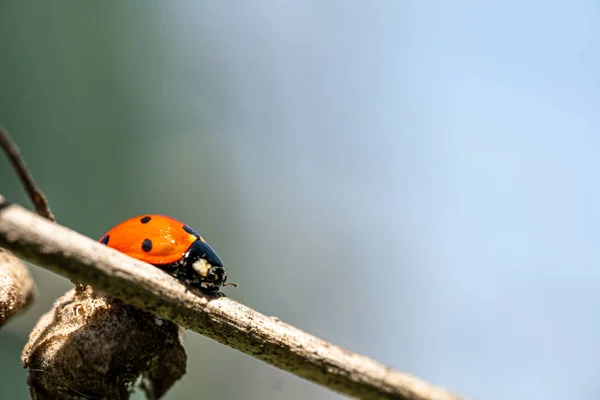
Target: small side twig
(75,256)
(35,194)
(37,197)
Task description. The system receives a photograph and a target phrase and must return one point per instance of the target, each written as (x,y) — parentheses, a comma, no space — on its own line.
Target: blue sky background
(415,181)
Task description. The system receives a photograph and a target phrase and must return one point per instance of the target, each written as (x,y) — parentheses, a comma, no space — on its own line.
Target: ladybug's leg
(174,269)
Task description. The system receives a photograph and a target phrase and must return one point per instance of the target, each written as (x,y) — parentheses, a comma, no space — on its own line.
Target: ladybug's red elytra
(171,246)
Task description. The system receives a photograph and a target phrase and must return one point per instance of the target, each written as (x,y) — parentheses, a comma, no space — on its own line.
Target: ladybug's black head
(204,267)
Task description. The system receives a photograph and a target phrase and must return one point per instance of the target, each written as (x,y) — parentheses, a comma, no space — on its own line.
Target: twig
(37,197)
(75,256)
(35,194)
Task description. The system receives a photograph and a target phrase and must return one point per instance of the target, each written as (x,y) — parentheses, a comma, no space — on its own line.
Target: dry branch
(77,257)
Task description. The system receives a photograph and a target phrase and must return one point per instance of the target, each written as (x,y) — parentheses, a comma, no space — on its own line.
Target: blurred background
(414,181)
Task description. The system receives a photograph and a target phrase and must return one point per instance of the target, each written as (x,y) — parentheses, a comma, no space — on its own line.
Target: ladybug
(171,246)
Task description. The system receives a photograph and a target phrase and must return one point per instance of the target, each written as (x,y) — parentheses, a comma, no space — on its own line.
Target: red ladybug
(170,245)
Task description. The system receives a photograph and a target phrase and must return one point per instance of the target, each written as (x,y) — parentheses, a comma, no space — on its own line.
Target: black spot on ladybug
(191,231)
(147,245)
(105,239)
(145,220)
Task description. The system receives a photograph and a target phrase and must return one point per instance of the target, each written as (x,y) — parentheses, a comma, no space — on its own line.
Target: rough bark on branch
(80,258)
(17,288)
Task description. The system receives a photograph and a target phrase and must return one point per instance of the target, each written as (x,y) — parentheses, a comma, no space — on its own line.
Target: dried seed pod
(17,289)
(94,346)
